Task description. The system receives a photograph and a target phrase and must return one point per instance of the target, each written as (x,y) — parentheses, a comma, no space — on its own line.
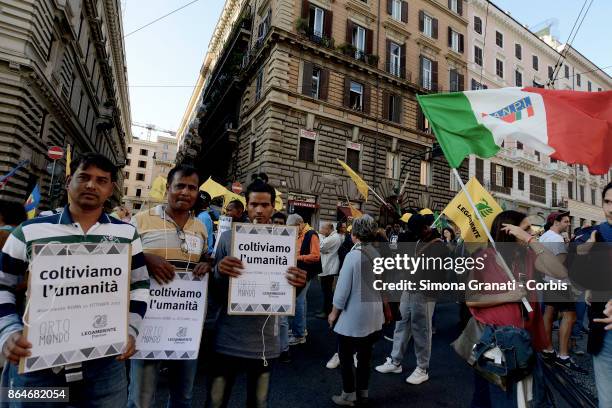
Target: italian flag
(571,126)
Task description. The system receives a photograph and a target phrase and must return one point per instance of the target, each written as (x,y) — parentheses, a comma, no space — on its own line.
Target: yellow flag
(231,196)
(362,187)
(278,203)
(213,188)
(355,213)
(460,211)
(158,190)
(68,159)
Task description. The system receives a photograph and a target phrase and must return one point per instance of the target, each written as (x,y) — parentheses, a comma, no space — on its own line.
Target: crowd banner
(78,302)
(172,327)
(225,224)
(460,211)
(266,252)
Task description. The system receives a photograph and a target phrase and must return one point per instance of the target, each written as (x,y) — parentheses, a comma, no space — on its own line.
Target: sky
(164,59)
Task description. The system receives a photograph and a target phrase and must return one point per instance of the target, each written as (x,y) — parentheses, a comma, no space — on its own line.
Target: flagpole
(486,230)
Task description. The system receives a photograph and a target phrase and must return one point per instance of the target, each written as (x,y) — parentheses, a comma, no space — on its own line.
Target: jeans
(327,287)
(416,322)
(347,346)
(489,395)
(224,371)
(284,333)
(602,366)
(104,384)
(298,324)
(581,308)
(143,382)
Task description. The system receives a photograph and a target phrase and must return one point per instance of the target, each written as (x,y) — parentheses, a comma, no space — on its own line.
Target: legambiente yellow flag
(362,187)
(460,211)
(158,190)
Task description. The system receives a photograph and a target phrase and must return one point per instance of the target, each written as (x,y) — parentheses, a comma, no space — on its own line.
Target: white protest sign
(266,252)
(172,327)
(78,298)
(225,224)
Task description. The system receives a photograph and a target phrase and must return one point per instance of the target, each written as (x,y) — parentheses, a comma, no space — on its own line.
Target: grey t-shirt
(241,336)
(556,244)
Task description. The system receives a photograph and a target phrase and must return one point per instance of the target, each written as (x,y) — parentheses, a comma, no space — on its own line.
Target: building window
(478,55)
(499,39)
(589,86)
(551,72)
(425,178)
(581,189)
(518,78)
(455,40)
(356,96)
(599,89)
(521,180)
(253,150)
(534,62)
(317,15)
(478,24)
(480,170)
(125,191)
(426,74)
(164,156)
(138,192)
(165,147)
(537,189)
(455,81)
(454,183)
(578,80)
(142,164)
(140,176)
(394,108)
(538,155)
(258,85)
(393,166)
(306,149)
(129,149)
(554,194)
(593,196)
(352,158)
(518,51)
(128,162)
(454,5)
(396,10)
(428,25)
(126,175)
(316,82)
(566,72)
(395,58)
(477,85)
(499,68)
(570,189)
(359,40)
(144,152)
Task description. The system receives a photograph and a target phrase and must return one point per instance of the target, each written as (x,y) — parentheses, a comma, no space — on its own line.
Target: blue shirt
(204,216)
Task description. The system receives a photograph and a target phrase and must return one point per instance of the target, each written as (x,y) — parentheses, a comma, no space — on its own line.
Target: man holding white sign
(175,245)
(245,343)
(98,283)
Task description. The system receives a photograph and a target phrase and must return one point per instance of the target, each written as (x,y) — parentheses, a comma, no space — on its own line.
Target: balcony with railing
(396,70)
(559,169)
(561,203)
(519,156)
(498,189)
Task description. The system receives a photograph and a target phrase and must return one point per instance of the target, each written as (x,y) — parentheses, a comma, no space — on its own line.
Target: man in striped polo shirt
(101,382)
(172,238)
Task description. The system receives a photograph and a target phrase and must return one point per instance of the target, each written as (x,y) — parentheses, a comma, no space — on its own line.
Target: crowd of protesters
(181,234)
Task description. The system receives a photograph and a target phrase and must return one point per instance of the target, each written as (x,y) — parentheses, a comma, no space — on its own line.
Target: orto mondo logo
(274,286)
(181,332)
(484,208)
(100,321)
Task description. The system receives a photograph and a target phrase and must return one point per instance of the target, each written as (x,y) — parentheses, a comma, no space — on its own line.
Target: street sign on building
(237,187)
(55,153)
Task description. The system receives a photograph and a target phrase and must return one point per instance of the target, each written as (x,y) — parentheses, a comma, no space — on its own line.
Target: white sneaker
(418,376)
(389,367)
(333,362)
(355,360)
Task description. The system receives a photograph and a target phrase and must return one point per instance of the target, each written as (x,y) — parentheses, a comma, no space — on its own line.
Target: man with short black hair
(558,302)
(244,343)
(235,209)
(172,238)
(205,218)
(279,218)
(101,382)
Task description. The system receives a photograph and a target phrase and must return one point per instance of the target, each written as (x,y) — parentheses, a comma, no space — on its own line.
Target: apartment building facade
(288,87)
(146,160)
(504,53)
(62,81)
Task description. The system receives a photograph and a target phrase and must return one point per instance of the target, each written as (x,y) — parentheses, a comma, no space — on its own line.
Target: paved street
(307,383)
